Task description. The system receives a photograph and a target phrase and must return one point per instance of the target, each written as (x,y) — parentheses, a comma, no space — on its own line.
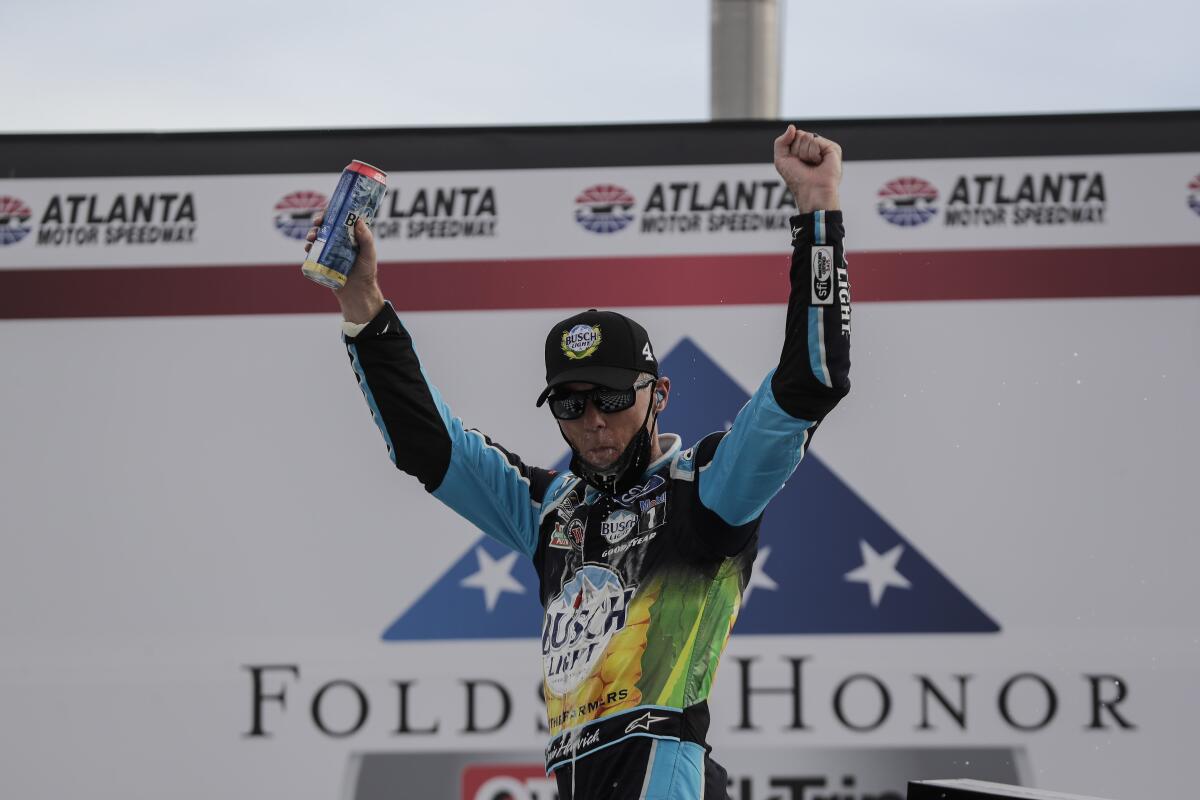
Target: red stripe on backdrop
(603,282)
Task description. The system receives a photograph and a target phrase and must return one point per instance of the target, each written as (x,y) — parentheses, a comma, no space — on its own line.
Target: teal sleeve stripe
(371,404)
(752,461)
(816,345)
(484,487)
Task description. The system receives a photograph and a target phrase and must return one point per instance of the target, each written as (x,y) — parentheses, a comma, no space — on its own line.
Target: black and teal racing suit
(640,591)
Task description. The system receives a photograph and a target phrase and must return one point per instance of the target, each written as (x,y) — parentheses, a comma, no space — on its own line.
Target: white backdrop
(190,501)
(185,497)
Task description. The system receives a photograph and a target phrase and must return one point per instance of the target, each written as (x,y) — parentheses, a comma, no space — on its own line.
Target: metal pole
(745,59)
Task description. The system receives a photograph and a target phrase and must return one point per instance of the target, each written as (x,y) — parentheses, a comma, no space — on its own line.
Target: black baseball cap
(600,347)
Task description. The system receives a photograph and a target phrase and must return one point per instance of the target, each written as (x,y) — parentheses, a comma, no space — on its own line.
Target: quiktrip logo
(14,220)
(850,571)
(604,208)
(294,213)
(907,201)
(1193,194)
(508,782)
(804,771)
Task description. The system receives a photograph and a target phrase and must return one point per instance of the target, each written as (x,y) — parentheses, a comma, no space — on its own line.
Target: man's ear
(662,393)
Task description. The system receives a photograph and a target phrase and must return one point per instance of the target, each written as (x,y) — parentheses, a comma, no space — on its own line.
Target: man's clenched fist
(811,166)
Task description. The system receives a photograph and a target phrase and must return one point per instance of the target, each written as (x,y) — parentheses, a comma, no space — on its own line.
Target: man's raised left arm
(773,430)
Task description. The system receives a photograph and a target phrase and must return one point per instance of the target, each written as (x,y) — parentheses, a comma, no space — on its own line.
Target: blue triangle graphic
(812,535)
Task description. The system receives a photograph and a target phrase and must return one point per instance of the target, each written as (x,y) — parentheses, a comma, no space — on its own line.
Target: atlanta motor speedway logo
(604,208)
(294,212)
(14,220)
(907,201)
(1194,194)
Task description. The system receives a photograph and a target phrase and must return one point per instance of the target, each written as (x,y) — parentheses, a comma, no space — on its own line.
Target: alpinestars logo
(14,220)
(604,208)
(907,201)
(850,571)
(294,213)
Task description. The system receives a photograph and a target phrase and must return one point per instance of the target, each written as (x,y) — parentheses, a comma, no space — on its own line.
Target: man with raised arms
(644,546)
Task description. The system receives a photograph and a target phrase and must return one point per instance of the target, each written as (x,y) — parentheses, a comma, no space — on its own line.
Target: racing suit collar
(669,443)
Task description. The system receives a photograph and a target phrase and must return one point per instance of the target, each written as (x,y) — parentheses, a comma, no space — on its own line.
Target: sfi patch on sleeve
(822,275)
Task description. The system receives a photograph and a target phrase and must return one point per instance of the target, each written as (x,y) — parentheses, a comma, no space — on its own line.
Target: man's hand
(811,166)
(360,298)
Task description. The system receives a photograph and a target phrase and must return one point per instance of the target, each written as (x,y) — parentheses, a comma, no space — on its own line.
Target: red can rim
(363,168)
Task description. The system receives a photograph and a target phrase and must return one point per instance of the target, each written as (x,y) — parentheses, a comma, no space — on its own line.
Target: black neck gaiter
(620,476)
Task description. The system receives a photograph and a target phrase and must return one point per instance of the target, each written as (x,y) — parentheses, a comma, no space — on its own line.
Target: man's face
(600,438)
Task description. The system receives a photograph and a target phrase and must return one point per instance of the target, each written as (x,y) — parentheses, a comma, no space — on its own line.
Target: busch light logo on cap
(14,220)
(908,201)
(578,623)
(581,341)
(604,208)
(1193,194)
(619,524)
(294,213)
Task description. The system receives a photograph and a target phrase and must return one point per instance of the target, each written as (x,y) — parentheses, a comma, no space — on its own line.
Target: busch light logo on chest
(619,524)
(578,624)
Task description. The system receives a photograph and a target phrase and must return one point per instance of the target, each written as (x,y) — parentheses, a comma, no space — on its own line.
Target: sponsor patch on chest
(650,486)
(653,512)
(618,525)
(575,530)
(558,537)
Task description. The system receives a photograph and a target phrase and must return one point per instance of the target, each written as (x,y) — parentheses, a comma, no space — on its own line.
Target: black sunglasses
(570,405)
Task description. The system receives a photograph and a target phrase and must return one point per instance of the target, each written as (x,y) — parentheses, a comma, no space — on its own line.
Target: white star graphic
(758,577)
(493,577)
(879,571)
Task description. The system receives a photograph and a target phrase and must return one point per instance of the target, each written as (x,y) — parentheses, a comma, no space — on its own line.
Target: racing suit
(640,591)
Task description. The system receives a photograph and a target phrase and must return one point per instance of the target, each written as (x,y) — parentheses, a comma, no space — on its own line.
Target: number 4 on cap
(646,352)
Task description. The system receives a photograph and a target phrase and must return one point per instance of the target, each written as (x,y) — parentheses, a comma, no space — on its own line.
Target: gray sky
(219,64)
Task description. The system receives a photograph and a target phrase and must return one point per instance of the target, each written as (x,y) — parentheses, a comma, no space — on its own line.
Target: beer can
(357,196)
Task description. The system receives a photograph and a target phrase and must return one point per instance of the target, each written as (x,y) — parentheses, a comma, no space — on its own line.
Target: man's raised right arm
(487,485)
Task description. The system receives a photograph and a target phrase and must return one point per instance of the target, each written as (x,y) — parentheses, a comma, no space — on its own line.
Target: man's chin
(600,461)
